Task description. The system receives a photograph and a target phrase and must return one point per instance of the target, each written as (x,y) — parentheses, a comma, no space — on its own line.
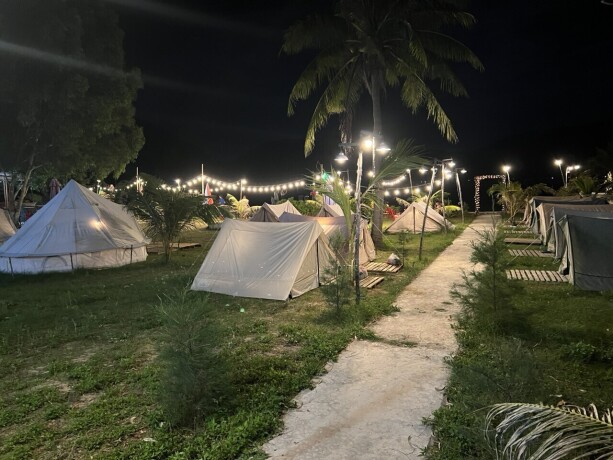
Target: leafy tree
(167,214)
(66,101)
(367,46)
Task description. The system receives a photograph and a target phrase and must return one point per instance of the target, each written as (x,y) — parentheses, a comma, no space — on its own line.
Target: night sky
(216,90)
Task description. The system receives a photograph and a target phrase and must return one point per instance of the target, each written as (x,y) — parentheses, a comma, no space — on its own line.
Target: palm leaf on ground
(521,431)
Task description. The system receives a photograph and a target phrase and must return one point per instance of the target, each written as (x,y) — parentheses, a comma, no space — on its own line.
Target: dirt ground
(372,401)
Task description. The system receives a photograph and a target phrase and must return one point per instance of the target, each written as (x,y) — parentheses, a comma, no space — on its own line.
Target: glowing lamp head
(558,162)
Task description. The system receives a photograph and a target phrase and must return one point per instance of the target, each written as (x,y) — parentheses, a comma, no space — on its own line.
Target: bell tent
(411,220)
(7,228)
(272,212)
(265,260)
(76,229)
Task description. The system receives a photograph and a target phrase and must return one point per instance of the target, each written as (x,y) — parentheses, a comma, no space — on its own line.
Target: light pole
(568,170)
(559,163)
(423,224)
(506,169)
(410,182)
(451,164)
(457,181)
(241,183)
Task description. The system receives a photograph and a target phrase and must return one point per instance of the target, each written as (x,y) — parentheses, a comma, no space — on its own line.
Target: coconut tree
(366,46)
(167,214)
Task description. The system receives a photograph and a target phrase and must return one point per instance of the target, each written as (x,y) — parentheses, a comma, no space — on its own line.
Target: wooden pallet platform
(371,281)
(529,253)
(547,276)
(523,240)
(157,248)
(382,267)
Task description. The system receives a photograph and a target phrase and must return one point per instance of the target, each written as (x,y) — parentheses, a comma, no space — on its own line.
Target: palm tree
(369,45)
(510,196)
(166,214)
(404,155)
(536,432)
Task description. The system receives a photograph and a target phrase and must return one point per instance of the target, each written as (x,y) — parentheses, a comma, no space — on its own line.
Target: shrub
(191,372)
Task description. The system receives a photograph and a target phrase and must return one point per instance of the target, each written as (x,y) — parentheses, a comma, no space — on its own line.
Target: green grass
(560,348)
(80,367)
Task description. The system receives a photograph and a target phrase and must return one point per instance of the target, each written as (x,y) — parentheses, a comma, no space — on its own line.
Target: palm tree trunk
(377,216)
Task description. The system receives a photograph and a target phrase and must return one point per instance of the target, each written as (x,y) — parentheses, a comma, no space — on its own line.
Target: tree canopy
(66,100)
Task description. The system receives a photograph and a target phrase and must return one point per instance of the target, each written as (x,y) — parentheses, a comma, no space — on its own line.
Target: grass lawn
(80,367)
(557,347)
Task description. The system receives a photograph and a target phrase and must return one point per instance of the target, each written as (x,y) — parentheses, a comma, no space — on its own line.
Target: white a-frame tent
(411,220)
(272,212)
(7,228)
(265,260)
(331,225)
(330,210)
(76,229)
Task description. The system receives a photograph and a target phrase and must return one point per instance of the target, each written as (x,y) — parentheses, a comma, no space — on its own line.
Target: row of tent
(577,231)
(279,254)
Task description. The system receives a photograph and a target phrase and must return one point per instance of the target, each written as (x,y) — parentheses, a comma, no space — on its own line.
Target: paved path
(371,403)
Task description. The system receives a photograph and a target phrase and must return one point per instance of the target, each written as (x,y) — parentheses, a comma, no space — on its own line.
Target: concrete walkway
(371,403)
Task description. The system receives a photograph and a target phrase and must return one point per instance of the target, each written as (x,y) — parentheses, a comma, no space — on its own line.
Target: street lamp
(241,183)
(430,188)
(459,171)
(506,169)
(448,162)
(410,180)
(568,170)
(559,163)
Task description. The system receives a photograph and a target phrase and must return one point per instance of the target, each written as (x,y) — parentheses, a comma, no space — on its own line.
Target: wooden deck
(157,248)
(371,281)
(382,267)
(547,276)
(523,240)
(529,253)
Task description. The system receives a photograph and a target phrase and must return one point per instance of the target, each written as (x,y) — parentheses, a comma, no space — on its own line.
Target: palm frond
(520,431)
(449,48)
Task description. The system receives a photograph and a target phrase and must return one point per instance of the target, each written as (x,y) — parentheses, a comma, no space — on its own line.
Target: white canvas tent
(265,260)
(411,220)
(589,251)
(330,210)
(272,212)
(331,225)
(76,229)
(7,228)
